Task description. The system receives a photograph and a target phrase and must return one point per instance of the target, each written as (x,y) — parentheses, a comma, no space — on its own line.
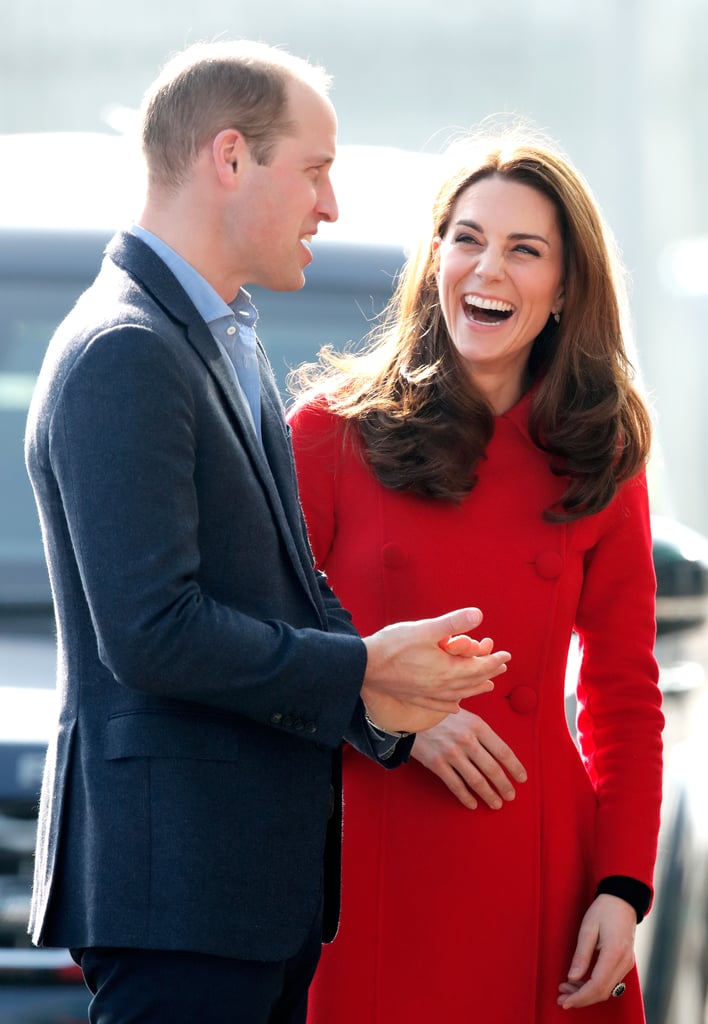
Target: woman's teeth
(487,311)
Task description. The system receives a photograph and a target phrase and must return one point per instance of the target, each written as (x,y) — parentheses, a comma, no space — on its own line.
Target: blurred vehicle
(50,250)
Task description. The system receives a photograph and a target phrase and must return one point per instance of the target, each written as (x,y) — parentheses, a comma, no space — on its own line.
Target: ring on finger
(618,990)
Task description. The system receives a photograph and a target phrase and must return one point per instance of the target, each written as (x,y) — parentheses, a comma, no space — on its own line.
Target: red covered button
(394,557)
(549,564)
(523,699)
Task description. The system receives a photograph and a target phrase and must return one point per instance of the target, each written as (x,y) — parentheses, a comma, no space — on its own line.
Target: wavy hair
(425,426)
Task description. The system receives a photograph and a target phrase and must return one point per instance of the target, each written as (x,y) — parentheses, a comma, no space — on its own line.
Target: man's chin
(293,285)
(296,281)
(292,282)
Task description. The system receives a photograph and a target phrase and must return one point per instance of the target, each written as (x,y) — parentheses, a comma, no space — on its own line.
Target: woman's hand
(473,762)
(608,930)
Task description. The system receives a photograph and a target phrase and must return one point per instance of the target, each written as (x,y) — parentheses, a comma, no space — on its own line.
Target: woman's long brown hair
(424,425)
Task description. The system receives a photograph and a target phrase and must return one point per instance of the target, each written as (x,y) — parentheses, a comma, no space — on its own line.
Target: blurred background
(622,85)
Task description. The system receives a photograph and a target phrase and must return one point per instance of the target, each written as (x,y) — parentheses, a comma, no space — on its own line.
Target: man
(207,674)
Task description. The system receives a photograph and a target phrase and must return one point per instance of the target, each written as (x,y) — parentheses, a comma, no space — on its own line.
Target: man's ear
(228,151)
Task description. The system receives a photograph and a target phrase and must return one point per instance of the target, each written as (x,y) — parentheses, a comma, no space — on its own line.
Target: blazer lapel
(272,462)
(200,338)
(276,442)
(276,471)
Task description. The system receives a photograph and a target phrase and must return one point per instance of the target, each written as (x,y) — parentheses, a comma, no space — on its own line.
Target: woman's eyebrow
(520,235)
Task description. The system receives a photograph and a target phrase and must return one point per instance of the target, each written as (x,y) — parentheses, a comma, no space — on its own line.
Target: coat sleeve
(126,451)
(619,700)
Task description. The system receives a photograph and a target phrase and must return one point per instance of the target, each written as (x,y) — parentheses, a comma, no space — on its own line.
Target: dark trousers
(137,986)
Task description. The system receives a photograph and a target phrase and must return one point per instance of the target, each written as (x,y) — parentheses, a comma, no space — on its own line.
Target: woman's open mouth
(486,311)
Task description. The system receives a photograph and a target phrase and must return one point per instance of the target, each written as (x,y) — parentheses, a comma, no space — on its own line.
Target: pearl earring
(557,317)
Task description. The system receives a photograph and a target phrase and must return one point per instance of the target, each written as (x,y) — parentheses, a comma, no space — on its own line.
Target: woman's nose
(490,263)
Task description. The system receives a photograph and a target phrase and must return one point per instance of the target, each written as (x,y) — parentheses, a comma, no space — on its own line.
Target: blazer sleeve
(619,718)
(317,438)
(124,451)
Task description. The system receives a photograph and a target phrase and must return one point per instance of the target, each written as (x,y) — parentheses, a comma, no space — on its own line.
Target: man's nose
(327,206)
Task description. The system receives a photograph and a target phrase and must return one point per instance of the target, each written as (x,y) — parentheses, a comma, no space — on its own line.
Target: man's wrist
(398,734)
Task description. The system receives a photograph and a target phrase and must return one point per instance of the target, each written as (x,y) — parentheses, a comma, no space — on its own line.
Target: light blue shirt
(232,325)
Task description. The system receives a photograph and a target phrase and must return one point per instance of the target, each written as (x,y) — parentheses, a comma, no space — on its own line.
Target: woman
(489,448)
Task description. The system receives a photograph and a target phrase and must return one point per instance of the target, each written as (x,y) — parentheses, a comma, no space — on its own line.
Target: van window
(294,326)
(31,311)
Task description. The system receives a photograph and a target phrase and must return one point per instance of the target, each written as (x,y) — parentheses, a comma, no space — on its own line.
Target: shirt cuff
(384,742)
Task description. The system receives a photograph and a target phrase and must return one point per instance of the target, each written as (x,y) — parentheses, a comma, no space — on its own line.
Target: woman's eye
(527,249)
(467,239)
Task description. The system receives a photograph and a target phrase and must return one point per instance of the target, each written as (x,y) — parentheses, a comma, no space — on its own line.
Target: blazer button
(549,564)
(523,699)
(276,718)
(288,721)
(311,727)
(393,556)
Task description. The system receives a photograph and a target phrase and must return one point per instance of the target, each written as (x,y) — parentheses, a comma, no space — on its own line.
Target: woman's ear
(435,253)
(558,305)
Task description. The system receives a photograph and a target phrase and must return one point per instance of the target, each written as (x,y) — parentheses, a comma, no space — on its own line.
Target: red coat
(451,915)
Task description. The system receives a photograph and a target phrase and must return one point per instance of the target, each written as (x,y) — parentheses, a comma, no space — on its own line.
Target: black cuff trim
(637,894)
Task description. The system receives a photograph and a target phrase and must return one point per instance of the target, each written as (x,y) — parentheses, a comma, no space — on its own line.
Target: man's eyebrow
(322,160)
(516,236)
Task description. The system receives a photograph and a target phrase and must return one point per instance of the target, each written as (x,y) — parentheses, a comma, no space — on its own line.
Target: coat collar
(520,412)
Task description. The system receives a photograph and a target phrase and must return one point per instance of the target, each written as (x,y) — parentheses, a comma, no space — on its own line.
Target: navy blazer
(207,674)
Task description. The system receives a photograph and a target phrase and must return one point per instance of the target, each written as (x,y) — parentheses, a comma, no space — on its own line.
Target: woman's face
(499,274)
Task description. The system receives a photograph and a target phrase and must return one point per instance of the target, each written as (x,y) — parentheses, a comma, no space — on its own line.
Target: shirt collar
(207,301)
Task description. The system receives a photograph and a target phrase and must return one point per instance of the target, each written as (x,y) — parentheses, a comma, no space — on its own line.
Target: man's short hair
(210,87)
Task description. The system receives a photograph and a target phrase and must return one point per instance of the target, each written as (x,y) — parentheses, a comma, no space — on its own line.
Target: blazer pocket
(162,734)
